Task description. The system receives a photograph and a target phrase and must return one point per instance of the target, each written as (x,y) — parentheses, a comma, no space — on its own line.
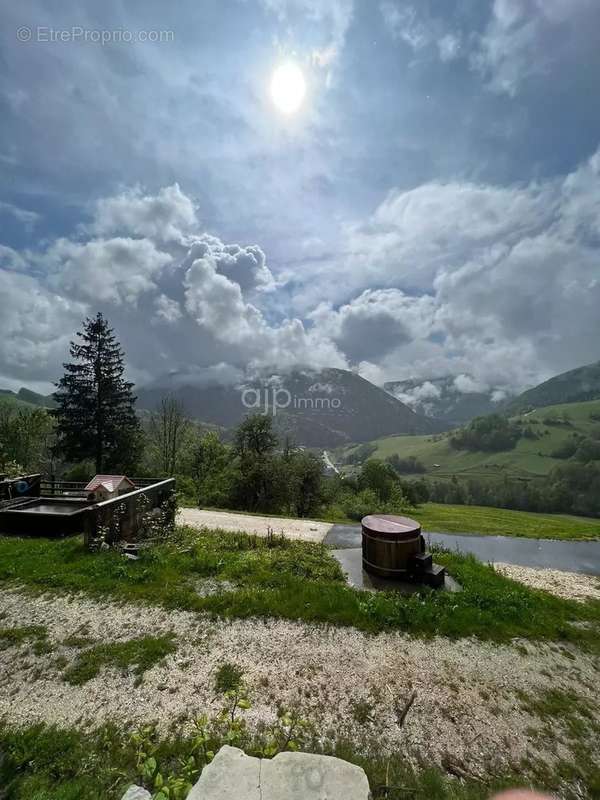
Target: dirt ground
(467,708)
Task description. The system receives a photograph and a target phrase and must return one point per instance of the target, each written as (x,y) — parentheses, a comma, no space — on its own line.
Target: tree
(379,477)
(169,429)
(26,438)
(213,471)
(255,437)
(254,444)
(305,478)
(95,413)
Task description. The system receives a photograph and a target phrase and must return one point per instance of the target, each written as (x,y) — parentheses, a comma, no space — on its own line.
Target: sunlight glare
(288,88)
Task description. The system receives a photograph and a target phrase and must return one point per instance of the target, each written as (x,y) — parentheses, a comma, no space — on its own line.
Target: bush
(567,449)
(357,506)
(406,466)
(493,433)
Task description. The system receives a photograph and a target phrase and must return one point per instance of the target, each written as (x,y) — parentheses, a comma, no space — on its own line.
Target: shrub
(406,466)
(493,433)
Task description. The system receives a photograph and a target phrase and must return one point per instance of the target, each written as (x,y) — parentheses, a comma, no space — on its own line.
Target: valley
(552,427)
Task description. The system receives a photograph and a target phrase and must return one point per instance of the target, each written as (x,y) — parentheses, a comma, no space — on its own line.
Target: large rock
(232,775)
(136,793)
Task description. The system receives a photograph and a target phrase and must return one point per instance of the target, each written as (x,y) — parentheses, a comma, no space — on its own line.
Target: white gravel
(568,585)
(304,529)
(466,709)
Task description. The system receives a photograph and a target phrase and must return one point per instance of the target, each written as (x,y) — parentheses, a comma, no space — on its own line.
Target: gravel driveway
(304,529)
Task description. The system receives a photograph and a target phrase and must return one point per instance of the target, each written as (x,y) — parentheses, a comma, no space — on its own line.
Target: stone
(305,776)
(232,775)
(136,793)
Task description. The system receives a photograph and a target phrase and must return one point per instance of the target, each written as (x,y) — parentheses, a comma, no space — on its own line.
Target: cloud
(35,326)
(328,20)
(115,270)
(416,397)
(496,285)
(27,218)
(166,216)
(245,266)
(375,323)
(10,259)
(167,310)
(509,275)
(466,384)
(526,39)
(416,28)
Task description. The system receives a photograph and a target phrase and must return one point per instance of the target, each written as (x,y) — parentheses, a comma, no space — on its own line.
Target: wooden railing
(121,518)
(52,487)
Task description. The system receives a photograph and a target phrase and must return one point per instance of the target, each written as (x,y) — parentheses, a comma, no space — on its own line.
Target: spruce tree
(95,416)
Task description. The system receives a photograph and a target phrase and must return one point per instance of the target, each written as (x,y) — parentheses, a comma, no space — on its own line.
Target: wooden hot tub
(393,547)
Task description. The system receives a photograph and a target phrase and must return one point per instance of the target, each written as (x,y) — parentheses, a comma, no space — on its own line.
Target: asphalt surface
(570,556)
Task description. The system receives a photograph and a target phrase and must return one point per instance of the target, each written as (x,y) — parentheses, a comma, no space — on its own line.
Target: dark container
(45,516)
(390,545)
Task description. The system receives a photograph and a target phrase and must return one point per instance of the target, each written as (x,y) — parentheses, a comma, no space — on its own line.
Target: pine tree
(95,415)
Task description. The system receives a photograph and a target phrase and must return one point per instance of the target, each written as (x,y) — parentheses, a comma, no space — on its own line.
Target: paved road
(542,553)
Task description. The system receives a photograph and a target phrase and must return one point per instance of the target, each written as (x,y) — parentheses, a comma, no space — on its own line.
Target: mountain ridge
(324,408)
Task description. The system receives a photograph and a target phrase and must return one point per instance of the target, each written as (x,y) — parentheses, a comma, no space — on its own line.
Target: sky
(432,207)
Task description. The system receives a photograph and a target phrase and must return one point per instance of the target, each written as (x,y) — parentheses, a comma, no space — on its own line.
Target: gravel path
(467,710)
(568,585)
(304,529)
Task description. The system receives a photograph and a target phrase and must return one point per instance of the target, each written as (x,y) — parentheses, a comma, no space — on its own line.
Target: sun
(288,87)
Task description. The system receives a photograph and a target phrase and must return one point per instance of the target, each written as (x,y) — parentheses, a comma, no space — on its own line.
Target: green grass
(14,637)
(138,655)
(489,521)
(502,521)
(530,458)
(298,581)
(49,763)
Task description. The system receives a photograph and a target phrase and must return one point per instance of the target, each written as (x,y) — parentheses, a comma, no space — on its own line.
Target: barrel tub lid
(388,525)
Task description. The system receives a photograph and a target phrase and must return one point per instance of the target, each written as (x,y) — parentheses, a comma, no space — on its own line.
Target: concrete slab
(232,775)
(350,560)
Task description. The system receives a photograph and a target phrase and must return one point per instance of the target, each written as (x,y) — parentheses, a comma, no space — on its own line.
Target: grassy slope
(502,521)
(530,458)
(10,401)
(299,581)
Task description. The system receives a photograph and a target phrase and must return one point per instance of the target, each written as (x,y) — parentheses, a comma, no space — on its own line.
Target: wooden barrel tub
(390,544)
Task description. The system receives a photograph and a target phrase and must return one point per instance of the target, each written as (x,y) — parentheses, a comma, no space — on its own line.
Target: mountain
(577,385)
(455,400)
(25,398)
(317,409)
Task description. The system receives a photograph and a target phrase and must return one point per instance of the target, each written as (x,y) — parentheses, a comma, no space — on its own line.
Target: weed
(228,677)
(139,654)
(13,637)
(361,711)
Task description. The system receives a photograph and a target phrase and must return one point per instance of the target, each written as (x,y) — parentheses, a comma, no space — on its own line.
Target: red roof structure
(108,482)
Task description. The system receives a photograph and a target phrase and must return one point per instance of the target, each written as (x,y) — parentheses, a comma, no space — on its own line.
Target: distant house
(105,487)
